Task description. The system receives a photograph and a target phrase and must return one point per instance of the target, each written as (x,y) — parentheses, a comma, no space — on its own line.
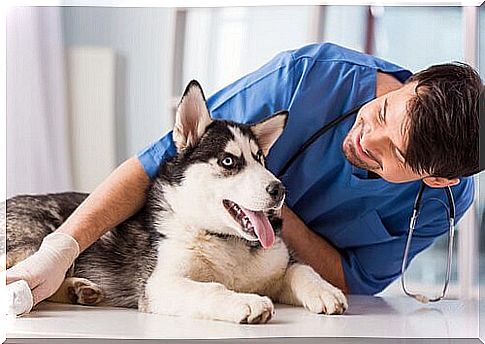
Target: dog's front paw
(324,298)
(251,309)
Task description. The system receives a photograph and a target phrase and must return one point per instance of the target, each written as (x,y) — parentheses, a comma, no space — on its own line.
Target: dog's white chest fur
(232,263)
(204,257)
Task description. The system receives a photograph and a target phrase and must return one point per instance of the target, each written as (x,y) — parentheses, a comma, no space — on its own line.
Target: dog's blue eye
(227,161)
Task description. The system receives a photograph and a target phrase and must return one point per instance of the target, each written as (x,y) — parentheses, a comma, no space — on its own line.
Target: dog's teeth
(241,216)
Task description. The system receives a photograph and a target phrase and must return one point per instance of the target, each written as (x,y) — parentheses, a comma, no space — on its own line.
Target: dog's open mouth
(253,223)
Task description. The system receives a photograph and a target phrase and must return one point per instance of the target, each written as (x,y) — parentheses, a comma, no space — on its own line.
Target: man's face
(378,139)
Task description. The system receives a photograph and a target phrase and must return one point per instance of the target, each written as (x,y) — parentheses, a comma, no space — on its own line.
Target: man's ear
(192,117)
(269,130)
(438,182)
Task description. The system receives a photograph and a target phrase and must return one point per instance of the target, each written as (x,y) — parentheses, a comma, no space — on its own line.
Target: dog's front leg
(302,286)
(206,300)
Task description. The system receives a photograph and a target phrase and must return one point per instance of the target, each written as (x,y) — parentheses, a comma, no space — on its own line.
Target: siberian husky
(205,245)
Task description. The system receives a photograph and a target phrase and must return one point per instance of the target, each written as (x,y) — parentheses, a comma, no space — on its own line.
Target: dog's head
(218,181)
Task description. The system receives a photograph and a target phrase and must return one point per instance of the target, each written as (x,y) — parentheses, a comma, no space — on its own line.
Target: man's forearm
(117,198)
(312,249)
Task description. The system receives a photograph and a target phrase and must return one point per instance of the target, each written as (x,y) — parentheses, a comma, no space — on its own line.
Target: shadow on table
(362,305)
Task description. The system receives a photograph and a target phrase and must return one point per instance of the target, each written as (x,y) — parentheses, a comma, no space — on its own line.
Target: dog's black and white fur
(202,245)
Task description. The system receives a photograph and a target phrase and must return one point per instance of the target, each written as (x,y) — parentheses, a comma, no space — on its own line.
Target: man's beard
(350,152)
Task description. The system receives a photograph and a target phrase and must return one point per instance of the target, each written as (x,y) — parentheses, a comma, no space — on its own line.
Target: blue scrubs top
(365,219)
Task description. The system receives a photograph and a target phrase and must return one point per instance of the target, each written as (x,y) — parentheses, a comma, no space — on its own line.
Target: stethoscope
(416,209)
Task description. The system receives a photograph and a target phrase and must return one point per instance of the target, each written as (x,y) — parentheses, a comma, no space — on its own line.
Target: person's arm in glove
(44,271)
(121,195)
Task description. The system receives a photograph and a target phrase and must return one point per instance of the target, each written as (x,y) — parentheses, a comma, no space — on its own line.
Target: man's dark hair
(443,121)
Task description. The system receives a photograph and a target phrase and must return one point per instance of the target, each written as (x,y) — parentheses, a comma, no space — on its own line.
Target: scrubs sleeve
(248,100)
(369,269)
(152,156)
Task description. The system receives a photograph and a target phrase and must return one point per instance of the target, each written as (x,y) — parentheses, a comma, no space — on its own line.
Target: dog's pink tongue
(262,227)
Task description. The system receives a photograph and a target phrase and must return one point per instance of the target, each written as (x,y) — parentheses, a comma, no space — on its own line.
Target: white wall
(142,41)
(417,37)
(90,72)
(224,44)
(345,25)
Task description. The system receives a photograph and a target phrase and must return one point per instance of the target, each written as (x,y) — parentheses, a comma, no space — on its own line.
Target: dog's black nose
(276,190)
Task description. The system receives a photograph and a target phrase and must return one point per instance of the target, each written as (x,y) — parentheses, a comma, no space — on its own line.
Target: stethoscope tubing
(416,208)
(333,123)
(451,230)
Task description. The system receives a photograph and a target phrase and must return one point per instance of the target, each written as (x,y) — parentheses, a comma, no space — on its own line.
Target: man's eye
(227,161)
(381,116)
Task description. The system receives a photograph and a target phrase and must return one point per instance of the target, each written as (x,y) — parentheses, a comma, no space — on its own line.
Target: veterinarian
(351,194)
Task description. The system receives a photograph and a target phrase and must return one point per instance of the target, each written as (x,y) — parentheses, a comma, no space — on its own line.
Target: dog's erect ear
(192,117)
(268,130)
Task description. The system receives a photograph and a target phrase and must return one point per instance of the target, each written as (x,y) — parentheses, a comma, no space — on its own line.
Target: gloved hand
(45,270)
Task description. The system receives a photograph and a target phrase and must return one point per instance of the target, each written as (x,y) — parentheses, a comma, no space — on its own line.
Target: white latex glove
(45,270)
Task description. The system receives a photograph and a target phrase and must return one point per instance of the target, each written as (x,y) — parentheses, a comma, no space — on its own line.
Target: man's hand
(45,270)
(312,249)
